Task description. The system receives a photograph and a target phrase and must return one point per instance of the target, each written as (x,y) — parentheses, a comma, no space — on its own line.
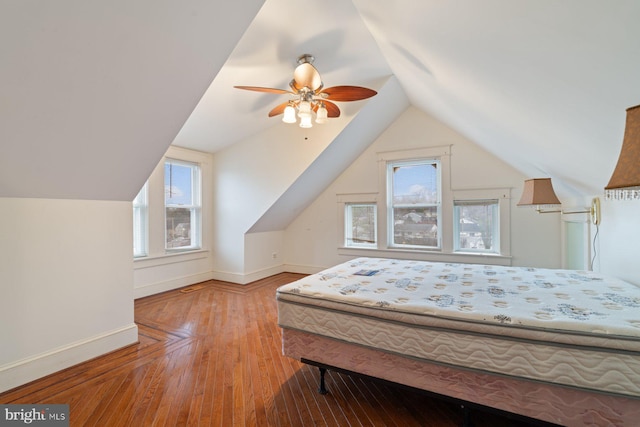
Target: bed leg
(466,417)
(322,389)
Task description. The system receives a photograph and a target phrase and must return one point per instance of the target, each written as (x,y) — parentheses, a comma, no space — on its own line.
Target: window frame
(446,252)
(503,196)
(392,206)
(494,204)
(195,207)
(348,225)
(343,199)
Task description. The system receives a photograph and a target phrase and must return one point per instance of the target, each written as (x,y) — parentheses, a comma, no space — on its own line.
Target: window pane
(416,226)
(182,205)
(361,225)
(415,184)
(178,227)
(178,184)
(477,225)
(414,209)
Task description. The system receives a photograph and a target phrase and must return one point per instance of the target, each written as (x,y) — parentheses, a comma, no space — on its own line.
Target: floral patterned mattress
(574,328)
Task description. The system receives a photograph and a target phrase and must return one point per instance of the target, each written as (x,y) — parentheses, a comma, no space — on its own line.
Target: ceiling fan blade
(263,89)
(278,109)
(348,93)
(306,75)
(332,109)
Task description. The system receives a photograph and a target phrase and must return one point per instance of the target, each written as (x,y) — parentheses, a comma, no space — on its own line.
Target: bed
(561,346)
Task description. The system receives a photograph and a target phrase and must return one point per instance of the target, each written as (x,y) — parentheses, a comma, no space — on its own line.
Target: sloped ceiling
(92,93)
(541,84)
(365,127)
(332,31)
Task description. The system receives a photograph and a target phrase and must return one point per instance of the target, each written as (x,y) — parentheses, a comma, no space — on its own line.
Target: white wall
(249,177)
(618,242)
(264,253)
(311,241)
(161,270)
(262,183)
(66,284)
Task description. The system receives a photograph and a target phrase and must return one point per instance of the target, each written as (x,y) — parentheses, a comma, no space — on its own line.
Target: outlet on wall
(274,255)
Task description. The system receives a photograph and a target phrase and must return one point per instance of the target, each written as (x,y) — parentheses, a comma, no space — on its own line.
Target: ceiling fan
(309,95)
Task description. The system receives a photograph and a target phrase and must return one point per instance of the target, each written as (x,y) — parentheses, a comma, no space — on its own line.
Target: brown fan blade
(278,109)
(306,75)
(348,93)
(332,109)
(263,89)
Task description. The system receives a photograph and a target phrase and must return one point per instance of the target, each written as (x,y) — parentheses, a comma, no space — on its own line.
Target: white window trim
(157,255)
(495,226)
(503,196)
(348,229)
(195,207)
(441,153)
(446,253)
(343,200)
(390,206)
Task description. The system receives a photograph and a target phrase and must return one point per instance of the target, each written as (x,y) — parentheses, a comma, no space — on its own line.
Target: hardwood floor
(210,355)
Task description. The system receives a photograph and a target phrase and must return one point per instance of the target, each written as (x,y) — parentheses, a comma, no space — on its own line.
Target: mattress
(573,328)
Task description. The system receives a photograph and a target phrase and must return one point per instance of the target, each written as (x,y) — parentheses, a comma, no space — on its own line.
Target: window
(360,225)
(413,192)
(182,205)
(420,216)
(140,223)
(476,226)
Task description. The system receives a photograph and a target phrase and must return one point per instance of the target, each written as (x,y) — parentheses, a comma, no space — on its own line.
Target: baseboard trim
(169,285)
(224,276)
(303,269)
(244,279)
(26,370)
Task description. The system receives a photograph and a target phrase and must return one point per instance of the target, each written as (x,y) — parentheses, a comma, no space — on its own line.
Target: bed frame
(465,407)
(547,402)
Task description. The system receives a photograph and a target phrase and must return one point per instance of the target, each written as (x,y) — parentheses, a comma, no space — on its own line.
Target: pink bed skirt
(548,402)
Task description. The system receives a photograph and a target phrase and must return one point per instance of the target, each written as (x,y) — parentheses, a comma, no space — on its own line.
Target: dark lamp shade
(538,192)
(627,171)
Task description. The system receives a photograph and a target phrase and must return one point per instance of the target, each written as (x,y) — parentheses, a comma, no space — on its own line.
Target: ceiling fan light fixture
(305,121)
(304,109)
(289,114)
(321,114)
(309,97)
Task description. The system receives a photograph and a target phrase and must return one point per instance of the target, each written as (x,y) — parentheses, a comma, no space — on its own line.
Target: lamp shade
(289,114)
(304,109)
(538,192)
(321,114)
(305,121)
(625,181)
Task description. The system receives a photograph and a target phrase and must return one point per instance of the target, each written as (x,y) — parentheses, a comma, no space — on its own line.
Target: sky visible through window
(415,180)
(177,184)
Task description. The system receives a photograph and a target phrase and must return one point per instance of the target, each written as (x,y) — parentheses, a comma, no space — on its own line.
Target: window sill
(169,258)
(435,256)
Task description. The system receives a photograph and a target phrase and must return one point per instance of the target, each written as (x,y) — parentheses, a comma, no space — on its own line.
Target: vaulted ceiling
(542,84)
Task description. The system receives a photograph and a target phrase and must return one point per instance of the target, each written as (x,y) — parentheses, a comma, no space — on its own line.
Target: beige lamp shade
(625,181)
(538,192)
